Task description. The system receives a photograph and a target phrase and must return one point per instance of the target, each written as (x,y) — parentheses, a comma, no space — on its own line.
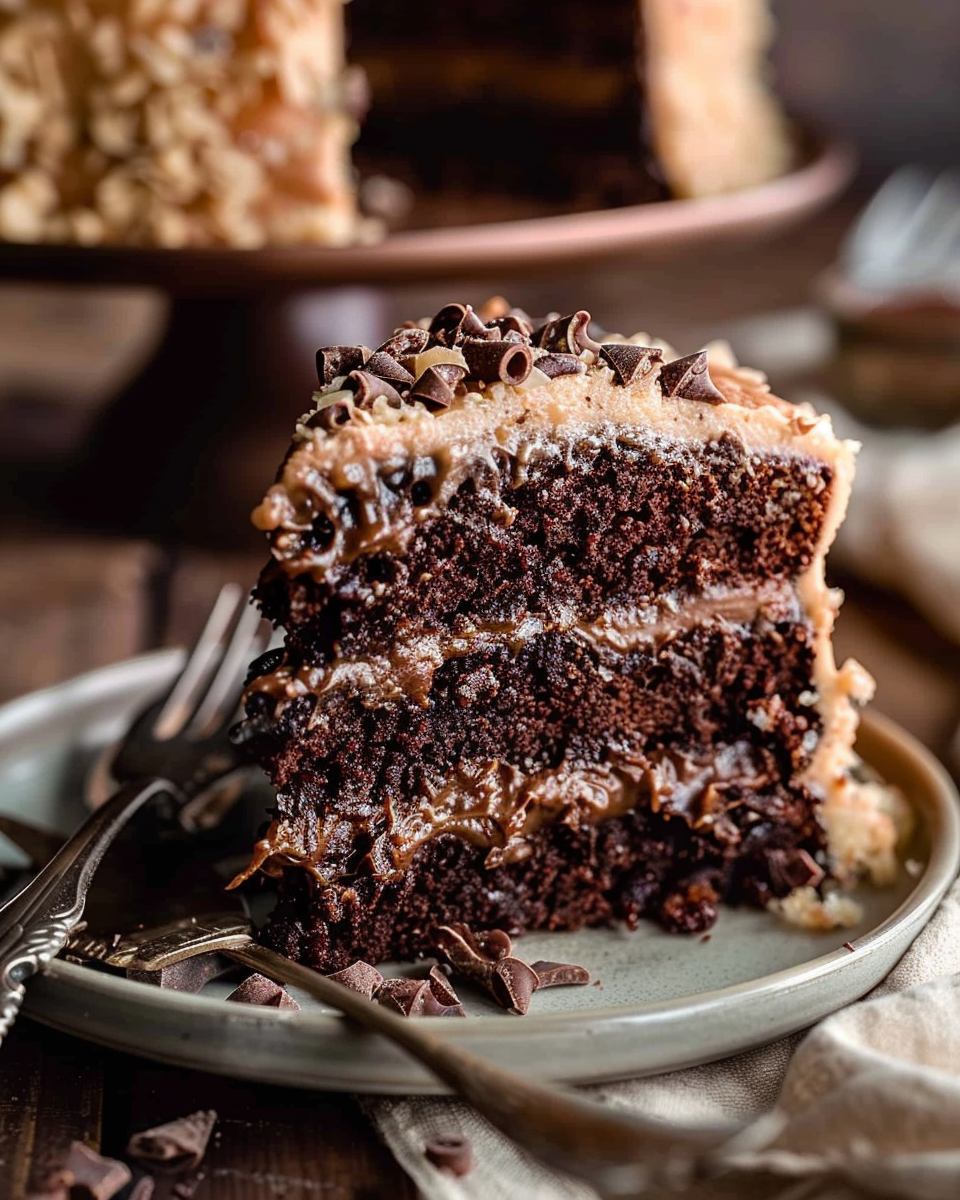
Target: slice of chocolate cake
(558,644)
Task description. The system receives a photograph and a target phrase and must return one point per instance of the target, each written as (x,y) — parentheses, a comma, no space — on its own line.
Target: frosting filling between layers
(499,807)
(411,663)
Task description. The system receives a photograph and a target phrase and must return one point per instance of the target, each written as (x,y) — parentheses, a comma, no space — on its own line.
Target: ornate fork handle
(36,923)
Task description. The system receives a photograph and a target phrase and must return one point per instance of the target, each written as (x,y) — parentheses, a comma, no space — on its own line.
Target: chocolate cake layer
(641,864)
(612,521)
(557,703)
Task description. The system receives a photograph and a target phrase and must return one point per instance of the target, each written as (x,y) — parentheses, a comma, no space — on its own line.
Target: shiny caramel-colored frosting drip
(498,807)
(408,667)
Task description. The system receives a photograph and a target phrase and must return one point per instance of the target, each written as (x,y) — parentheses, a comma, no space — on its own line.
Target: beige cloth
(866,1103)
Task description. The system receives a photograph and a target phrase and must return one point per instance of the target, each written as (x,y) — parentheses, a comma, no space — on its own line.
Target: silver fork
(174,747)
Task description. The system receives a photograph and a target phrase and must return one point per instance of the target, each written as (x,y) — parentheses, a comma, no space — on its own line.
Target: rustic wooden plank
(67,605)
(268,1140)
(51,1094)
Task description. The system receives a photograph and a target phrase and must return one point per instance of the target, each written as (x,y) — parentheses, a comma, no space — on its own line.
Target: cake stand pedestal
(183,451)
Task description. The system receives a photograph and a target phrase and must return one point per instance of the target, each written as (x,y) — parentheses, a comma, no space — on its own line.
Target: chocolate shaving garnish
(493,943)
(454,322)
(554,365)
(456,944)
(406,342)
(630,362)
(485,958)
(416,998)
(332,416)
(568,335)
(87,1175)
(385,367)
(433,389)
(513,983)
(553,974)
(369,388)
(334,361)
(503,362)
(515,322)
(791,869)
(359,977)
(257,989)
(442,988)
(689,379)
(399,994)
(178,1146)
(450,1153)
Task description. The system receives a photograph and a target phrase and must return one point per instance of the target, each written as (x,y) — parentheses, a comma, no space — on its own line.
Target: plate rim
(943,859)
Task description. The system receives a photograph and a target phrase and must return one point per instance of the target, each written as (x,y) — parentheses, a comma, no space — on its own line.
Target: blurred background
(82,585)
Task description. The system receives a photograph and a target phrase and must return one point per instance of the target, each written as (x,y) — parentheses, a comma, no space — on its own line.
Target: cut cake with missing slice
(558,644)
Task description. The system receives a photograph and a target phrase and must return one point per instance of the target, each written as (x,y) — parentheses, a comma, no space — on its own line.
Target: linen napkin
(867,1102)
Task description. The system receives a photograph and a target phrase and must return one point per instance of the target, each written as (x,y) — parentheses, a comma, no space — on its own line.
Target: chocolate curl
(568,335)
(371,387)
(415,998)
(514,322)
(359,977)
(791,869)
(178,1146)
(456,944)
(552,974)
(503,362)
(334,361)
(332,415)
(384,367)
(689,379)
(436,386)
(405,343)
(454,322)
(450,1153)
(513,983)
(630,362)
(86,1173)
(257,989)
(486,959)
(553,365)
(493,943)
(441,987)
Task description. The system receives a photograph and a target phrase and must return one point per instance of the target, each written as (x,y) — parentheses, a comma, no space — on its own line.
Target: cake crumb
(808,910)
(848,946)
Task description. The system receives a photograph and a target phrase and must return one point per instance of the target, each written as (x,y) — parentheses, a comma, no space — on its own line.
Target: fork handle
(36,923)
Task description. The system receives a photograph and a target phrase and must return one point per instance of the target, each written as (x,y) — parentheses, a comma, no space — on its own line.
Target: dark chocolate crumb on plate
(554,974)
(86,1175)
(178,1146)
(450,1153)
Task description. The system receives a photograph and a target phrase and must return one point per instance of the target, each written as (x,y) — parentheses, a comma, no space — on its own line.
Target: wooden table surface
(69,602)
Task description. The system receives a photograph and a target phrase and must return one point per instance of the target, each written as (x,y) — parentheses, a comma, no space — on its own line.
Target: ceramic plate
(664,1001)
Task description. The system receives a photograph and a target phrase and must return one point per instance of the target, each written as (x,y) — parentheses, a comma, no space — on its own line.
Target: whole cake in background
(558,645)
(177,123)
(229,122)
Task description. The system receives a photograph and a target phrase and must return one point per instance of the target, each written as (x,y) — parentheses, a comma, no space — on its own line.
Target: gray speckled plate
(665,1002)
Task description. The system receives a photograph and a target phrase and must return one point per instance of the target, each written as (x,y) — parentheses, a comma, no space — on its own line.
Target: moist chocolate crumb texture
(558,645)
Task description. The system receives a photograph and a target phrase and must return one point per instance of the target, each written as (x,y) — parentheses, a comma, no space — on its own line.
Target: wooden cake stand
(183,451)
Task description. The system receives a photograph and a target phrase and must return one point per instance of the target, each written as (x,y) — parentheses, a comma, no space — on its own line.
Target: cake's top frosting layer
(468,388)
